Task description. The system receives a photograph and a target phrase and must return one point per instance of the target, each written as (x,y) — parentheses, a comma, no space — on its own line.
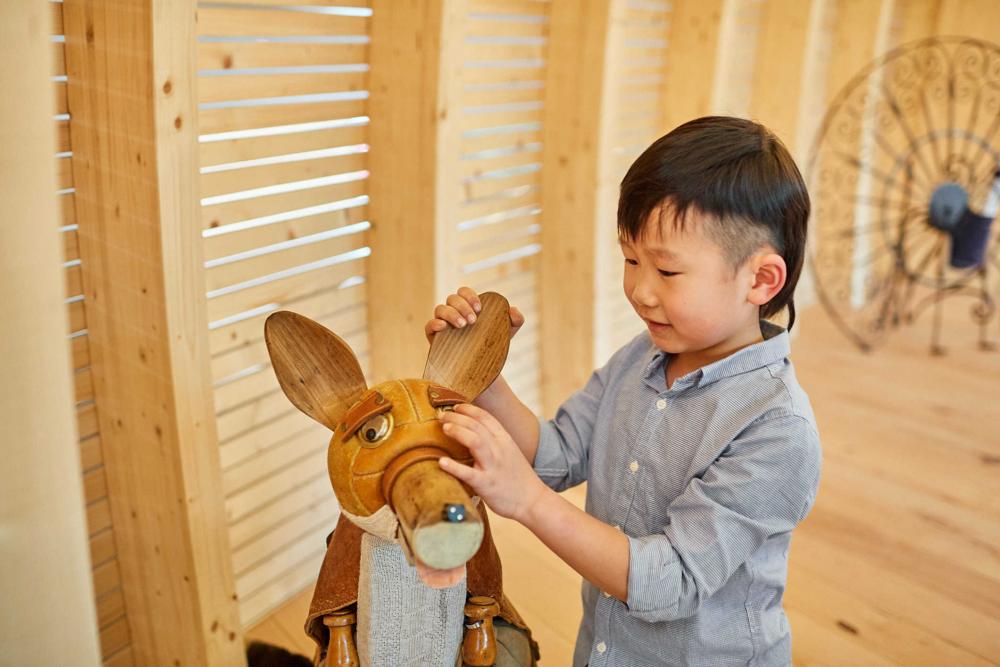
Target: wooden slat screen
(283,148)
(637,74)
(112,623)
(501,156)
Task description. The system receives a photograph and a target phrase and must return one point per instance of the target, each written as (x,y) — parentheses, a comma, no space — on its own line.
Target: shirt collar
(772,349)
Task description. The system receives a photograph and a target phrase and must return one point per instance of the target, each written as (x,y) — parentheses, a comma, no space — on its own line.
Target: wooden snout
(436,514)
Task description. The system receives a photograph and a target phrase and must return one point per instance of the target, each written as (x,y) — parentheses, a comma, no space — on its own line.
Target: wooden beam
(46,565)
(131,69)
(415,88)
(579,193)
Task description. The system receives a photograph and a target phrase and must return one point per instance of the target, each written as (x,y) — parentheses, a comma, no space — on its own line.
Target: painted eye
(374,429)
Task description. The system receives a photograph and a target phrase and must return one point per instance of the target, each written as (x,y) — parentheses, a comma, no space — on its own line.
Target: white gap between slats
(283,169)
(498,225)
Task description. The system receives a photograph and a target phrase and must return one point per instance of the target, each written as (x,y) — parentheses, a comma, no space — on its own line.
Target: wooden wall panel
(639,61)
(163,560)
(496,224)
(284,160)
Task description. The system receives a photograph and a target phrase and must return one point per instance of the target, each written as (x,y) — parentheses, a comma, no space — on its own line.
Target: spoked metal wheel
(904,163)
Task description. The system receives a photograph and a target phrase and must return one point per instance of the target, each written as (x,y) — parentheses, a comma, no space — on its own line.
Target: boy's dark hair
(737,173)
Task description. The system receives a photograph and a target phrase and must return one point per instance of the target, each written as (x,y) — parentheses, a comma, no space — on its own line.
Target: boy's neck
(680,364)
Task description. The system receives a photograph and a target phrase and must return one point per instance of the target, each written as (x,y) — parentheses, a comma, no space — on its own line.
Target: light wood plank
(133,137)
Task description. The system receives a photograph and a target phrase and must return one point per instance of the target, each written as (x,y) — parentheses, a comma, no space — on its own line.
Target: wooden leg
(479,647)
(341,651)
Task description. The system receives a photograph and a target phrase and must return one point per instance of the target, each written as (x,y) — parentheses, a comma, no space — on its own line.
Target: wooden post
(45,581)
(415,84)
(131,68)
(579,194)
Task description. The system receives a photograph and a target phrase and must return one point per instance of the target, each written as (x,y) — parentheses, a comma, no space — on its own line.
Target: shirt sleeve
(762,485)
(564,442)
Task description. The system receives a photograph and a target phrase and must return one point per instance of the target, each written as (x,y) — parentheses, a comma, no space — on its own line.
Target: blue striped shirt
(707,480)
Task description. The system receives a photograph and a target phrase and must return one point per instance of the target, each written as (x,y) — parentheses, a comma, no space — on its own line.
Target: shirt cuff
(653,581)
(550,462)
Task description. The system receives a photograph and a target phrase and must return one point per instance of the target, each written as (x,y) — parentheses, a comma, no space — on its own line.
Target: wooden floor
(899,561)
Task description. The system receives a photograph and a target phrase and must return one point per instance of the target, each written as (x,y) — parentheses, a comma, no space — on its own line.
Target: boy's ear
(769,276)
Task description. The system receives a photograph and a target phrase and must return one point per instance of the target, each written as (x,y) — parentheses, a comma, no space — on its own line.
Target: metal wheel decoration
(905,184)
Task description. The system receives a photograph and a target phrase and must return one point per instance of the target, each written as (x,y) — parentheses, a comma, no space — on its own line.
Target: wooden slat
(276,485)
(219,215)
(107,577)
(282,291)
(98,516)
(502,117)
(110,607)
(102,547)
(246,55)
(115,637)
(258,86)
(312,489)
(95,486)
(86,421)
(320,302)
(478,190)
(250,148)
(80,347)
(256,468)
(225,21)
(263,437)
(224,245)
(84,385)
(247,118)
(291,582)
(235,180)
(255,352)
(90,453)
(123,658)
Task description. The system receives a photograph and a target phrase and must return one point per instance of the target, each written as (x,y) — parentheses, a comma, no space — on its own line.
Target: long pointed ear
(469,359)
(316,369)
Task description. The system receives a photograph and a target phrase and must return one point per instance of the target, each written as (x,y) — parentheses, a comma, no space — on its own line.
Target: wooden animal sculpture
(391,589)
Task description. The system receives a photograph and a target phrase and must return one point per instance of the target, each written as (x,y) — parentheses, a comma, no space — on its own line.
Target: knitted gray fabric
(402,621)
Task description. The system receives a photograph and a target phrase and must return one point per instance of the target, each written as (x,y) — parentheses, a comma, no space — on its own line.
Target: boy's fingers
(462,306)
(482,417)
(449,315)
(516,317)
(470,476)
(470,295)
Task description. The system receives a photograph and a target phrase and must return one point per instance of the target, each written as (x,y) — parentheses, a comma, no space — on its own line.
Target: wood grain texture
(469,359)
(315,367)
(131,73)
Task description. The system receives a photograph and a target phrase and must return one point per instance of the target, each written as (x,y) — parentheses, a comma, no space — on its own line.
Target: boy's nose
(643,295)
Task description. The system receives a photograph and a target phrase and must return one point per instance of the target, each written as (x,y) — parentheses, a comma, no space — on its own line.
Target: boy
(698,445)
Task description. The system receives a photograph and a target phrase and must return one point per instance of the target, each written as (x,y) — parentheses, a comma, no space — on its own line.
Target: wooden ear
(316,369)
(469,359)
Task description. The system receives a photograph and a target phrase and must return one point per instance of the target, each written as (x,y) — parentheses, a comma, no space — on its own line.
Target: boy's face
(685,289)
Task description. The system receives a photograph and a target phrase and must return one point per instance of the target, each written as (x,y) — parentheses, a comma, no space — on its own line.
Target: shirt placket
(627,479)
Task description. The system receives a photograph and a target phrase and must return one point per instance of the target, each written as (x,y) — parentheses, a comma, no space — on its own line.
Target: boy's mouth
(654,323)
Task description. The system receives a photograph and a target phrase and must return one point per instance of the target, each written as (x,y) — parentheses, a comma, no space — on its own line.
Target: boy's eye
(668,273)
(631,261)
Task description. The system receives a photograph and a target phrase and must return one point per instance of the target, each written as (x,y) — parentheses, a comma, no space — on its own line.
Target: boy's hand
(460,309)
(501,475)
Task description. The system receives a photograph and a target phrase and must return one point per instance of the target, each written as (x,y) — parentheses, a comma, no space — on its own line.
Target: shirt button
(602,647)
(634,466)
(661,404)
(606,594)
